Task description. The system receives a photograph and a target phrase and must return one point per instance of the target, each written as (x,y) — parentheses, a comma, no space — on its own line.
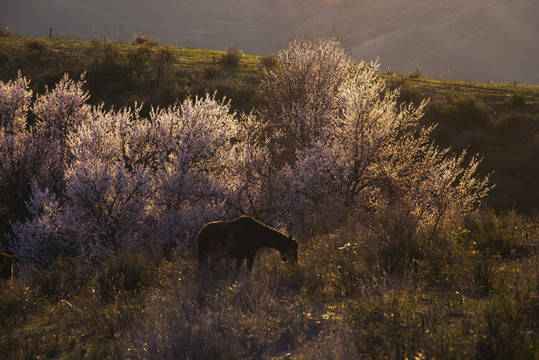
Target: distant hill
(482,40)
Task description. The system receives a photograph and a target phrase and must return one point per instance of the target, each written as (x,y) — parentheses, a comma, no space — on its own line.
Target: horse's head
(290,253)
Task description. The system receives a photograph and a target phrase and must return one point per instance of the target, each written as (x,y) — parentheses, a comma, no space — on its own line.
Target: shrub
(36,47)
(330,120)
(161,66)
(110,53)
(416,74)
(67,278)
(144,40)
(456,115)
(395,81)
(242,97)
(125,271)
(12,304)
(513,128)
(211,71)
(166,95)
(5,31)
(385,328)
(515,100)
(110,163)
(333,266)
(396,241)
(139,56)
(15,99)
(509,327)
(269,62)
(492,234)
(60,110)
(46,235)
(18,161)
(231,57)
(410,95)
(198,314)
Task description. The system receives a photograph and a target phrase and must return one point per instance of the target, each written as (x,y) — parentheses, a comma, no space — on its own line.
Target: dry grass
(337,302)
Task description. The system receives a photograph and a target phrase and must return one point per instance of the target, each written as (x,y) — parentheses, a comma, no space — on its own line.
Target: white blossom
(15,100)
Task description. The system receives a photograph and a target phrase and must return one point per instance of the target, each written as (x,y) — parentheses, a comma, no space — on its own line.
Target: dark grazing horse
(241,238)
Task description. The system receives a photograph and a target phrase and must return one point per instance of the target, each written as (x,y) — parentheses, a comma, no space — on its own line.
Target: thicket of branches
(329,141)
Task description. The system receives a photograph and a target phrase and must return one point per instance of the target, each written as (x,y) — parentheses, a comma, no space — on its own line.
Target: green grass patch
(120,74)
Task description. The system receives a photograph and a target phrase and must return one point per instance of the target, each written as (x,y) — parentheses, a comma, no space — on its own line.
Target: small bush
(110,53)
(269,62)
(514,128)
(5,31)
(211,71)
(396,240)
(416,74)
(166,94)
(125,271)
(139,56)
(231,57)
(457,114)
(36,45)
(161,67)
(482,272)
(409,94)
(16,305)
(445,265)
(403,324)
(509,329)
(12,304)
(144,40)
(111,72)
(36,48)
(68,277)
(242,97)
(394,81)
(333,267)
(491,234)
(515,100)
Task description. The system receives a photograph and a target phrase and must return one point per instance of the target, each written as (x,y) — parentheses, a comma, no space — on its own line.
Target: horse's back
(244,228)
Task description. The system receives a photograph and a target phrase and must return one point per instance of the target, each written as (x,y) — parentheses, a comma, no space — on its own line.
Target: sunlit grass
(314,309)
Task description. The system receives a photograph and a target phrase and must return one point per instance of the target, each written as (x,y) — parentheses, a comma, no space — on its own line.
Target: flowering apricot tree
(330,139)
(339,140)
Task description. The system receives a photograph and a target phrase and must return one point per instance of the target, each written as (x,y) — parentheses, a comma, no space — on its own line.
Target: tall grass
(339,301)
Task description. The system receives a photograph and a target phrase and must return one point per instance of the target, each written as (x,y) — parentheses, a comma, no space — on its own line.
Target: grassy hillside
(120,74)
(469,292)
(500,122)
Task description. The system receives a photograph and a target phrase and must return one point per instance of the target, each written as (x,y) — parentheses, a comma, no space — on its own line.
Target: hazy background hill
(479,40)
